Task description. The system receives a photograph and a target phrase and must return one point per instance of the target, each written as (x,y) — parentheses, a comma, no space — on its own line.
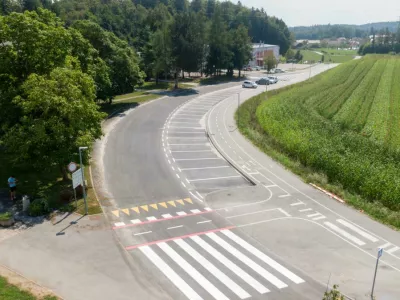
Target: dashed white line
(214,178)
(319,218)
(313,215)
(206,221)
(184,185)
(177,175)
(166,216)
(181,213)
(136,221)
(305,209)
(187,180)
(385,245)
(179,226)
(118,224)
(173,168)
(203,168)
(297,203)
(151,218)
(195,211)
(199,194)
(141,233)
(169,161)
(197,158)
(392,250)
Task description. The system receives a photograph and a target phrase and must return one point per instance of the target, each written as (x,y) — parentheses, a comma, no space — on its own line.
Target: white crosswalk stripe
(199,268)
(256,267)
(345,234)
(269,261)
(192,272)
(358,230)
(230,265)
(213,270)
(170,274)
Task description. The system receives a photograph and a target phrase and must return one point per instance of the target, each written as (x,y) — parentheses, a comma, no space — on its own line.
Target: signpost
(380,253)
(76,181)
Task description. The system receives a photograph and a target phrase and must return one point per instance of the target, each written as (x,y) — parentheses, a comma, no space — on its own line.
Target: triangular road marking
(145,207)
(136,209)
(172,203)
(163,204)
(180,201)
(188,200)
(154,206)
(125,210)
(116,212)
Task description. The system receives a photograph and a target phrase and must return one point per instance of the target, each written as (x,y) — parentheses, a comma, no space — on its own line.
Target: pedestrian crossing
(218,265)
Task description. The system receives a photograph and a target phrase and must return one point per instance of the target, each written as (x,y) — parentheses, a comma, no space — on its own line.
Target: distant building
(260,51)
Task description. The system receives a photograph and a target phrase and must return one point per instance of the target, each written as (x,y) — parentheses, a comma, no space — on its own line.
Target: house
(262,50)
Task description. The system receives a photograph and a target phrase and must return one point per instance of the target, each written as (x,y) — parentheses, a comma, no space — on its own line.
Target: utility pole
(310,72)
(238,106)
(380,252)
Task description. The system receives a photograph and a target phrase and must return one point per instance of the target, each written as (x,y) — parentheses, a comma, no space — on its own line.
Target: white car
(257,68)
(249,84)
(273,79)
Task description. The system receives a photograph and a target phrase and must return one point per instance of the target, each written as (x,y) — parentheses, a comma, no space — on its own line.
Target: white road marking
(358,230)
(284,196)
(251,213)
(305,209)
(195,197)
(192,272)
(206,221)
(215,178)
(207,209)
(191,151)
(199,194)
(201,144)
(169,161)
(203,168)
(241,293)
(186,127)
(166,216)
(269,261)
(385,245)
(319,218)
(230,265)
(284,212)
(187,138)
(141,233)
(169,273)
(197,158)
(247,261)
(392,250)
(151,218)
(187,180)
(297,203)
(136,221)
(195,211)
(314,215)
(345,234)
(181,213)
(179,226)
(119,224)
(269,186)
(177,175)
(184,185)
(173,168)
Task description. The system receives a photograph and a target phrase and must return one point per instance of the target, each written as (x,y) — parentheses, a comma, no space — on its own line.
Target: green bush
(39,207)
(5,216)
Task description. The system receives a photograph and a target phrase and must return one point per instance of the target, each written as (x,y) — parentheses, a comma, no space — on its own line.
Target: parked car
(248,68)
(279,71)
(249,84)
(257,68)
(264,81)
(273,79)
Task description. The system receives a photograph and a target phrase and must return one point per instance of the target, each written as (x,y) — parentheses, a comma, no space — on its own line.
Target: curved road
(201,225)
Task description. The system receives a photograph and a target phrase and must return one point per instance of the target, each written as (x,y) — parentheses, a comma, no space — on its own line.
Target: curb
(328,193)
(233,164)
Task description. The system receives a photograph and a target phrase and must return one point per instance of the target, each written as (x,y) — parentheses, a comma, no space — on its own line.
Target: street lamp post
(83,178)
(310,72)
(380,252)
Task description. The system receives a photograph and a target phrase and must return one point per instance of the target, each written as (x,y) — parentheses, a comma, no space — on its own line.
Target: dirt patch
(25,284)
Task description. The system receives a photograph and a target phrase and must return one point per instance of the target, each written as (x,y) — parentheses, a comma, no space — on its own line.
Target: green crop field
(344,124)
(331,55)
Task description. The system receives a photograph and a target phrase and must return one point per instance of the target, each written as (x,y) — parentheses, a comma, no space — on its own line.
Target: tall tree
(242,48)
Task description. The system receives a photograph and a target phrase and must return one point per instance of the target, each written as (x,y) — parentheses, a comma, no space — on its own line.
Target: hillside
(343,125)
(318,32)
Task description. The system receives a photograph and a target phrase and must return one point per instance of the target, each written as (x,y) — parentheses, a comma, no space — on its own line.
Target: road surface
(207,216)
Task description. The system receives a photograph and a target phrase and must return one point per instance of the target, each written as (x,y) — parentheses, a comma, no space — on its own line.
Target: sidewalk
(75,261)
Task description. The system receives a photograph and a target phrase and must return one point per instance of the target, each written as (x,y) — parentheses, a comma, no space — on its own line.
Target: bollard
(25,203)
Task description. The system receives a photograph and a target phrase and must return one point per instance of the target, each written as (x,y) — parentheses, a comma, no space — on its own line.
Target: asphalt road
(199,229)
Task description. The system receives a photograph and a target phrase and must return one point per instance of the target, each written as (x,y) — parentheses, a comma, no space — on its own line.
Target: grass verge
(249,127)
(12,292)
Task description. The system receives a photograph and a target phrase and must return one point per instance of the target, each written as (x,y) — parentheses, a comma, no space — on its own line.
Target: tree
(242,49)
(333,294)
(270,61)
(298,56)
(289,54)
(58,115)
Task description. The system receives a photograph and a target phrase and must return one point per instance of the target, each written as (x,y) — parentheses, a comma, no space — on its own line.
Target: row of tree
(382,42)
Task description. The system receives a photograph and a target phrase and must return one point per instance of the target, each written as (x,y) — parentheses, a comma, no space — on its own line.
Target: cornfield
(344,123)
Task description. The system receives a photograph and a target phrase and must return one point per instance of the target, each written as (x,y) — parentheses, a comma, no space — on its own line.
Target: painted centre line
(140,233)
(204,168)
(173,227)
(197,158)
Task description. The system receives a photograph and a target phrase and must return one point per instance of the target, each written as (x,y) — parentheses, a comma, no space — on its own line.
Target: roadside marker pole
(380,252)
(83,178)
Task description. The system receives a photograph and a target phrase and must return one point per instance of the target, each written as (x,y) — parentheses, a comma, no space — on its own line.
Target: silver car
(249,84)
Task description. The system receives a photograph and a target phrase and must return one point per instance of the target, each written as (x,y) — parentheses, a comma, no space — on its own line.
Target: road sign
(77,178)
(380,252)
(72,167)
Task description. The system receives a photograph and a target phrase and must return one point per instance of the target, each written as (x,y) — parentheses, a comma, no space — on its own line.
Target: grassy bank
(337,130)
(12,292)
(330,55)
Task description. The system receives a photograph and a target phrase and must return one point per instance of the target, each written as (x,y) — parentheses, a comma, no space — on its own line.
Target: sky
(312,12)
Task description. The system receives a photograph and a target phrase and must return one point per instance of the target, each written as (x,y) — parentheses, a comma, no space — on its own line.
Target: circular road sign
(72,167)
